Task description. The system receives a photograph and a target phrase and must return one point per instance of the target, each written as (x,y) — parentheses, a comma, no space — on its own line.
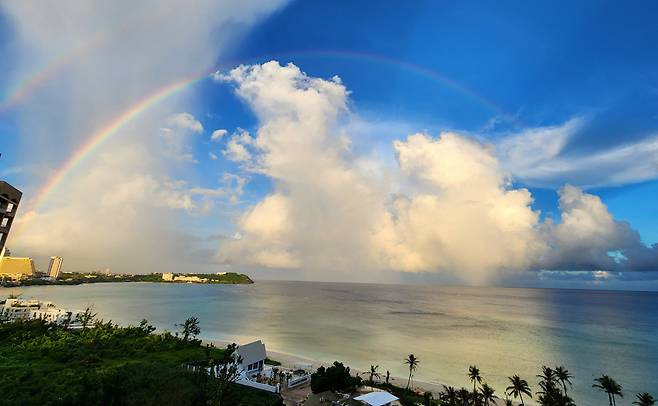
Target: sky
(444,143)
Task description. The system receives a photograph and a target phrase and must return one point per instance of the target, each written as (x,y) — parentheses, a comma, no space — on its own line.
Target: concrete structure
(55,267)
(14,309)
(9,199)
(16,268)
(378,399)
(253,358)
(171,277)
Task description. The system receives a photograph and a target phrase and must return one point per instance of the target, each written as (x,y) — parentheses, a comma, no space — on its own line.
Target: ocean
(502,331)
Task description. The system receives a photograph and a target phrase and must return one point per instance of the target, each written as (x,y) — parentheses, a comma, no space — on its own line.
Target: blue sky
(541,64)
(566,93)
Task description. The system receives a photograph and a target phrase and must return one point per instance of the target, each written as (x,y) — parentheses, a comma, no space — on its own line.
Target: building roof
(9,192)
(376,398)
(16,266)
(252,352)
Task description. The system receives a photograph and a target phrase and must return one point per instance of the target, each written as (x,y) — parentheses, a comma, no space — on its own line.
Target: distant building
(171,277)
(191,279)
(55,267)
(9,199)
(16,268)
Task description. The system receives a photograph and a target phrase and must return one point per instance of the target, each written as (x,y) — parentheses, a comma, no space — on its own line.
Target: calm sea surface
(502,331)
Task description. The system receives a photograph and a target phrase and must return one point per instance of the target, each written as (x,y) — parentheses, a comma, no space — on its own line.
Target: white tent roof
(252,352)
(376,398)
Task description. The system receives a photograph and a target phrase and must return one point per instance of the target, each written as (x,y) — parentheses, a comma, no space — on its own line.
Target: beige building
(16,268)
(168,276)
(55,267)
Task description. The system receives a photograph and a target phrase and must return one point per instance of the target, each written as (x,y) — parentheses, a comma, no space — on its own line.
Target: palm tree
(518,388)
(474,376)
(564,376)
(412,362)
(508,401)
(644,399)
(374,373)
(609,386)
(548,375)
(388,376)
(449,396)
(488,394)
(463,396)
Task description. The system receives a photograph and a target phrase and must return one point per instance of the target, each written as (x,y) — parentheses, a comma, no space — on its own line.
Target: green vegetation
(552,389)
(77,278)
(46,364)
(336,378)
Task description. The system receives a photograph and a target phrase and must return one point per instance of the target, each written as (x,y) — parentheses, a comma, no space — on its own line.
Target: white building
(14,309)
(378,399)
(55,267)
(168,276)
(252,358)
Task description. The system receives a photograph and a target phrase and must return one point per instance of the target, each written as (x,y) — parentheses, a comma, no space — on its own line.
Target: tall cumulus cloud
(451,209)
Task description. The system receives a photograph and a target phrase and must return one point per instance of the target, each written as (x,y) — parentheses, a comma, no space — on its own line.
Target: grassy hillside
(76,278)
(42,364)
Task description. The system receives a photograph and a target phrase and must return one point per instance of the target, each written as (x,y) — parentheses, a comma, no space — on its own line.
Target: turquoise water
(502,331)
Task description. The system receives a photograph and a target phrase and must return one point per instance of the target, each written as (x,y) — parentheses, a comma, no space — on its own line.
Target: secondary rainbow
(97,139)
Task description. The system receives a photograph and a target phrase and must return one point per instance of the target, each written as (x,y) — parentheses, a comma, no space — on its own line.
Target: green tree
(190,328)
(644,399)
(374,374)
(449,396)
(518,388)
(463,397)
(412,362)
(609,386)
(488,394)
(475,378)
(86,319)
(335,378)
(564,376)
(427,398)
(226,370)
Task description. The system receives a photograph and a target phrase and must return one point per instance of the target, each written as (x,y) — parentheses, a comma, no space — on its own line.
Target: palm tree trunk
(565,388)
(409,380)
(521,396)
(614,402)
(609,399)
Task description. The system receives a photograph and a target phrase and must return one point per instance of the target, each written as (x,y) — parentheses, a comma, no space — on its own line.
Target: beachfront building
(252,358)
(9,199)
(16,268)
(15,309)
(55,267)
(379,398)
(171,277)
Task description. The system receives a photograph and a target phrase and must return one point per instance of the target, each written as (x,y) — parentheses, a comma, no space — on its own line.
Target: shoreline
(288,360)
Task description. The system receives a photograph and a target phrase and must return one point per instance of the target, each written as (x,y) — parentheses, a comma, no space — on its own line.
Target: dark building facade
(9,199)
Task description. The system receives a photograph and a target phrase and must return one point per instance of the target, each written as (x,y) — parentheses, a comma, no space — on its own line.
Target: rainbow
(97,139)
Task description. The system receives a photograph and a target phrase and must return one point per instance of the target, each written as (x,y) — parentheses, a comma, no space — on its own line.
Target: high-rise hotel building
(9,199)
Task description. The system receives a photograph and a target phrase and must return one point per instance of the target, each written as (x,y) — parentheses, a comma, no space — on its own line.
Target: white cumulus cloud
(456,212)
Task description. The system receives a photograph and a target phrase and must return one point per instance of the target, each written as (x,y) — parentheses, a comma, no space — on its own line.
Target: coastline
(288,360)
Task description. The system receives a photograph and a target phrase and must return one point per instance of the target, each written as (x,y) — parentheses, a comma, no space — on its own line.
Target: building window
(5,220)
(10,207)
